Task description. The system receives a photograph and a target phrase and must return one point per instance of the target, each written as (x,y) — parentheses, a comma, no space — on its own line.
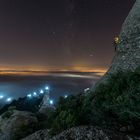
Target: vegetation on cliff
(114,104)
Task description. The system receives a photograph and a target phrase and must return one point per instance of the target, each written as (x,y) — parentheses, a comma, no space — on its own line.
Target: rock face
(80,133)
(128,54)
(128,50)
(14,123)
(45,105)
(39,135)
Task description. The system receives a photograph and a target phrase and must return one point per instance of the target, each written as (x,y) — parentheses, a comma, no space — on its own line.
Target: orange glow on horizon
(44,71)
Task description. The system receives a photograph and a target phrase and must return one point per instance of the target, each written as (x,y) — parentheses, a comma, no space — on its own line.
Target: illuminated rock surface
(45,103)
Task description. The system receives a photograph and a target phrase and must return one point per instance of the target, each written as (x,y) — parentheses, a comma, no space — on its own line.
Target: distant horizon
(45,72)
(18,84)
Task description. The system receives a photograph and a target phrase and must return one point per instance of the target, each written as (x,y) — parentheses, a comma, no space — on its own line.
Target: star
(91,55)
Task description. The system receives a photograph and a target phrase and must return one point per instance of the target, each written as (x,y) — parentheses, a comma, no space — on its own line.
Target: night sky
(59,34)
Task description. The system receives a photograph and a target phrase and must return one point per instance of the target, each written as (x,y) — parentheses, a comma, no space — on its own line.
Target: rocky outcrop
(45,105)
(127,57)
(39,135)
(13,124)
(128,53)
(81,133)
(89,133)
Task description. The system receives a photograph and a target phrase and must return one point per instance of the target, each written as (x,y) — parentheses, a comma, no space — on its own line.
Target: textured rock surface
(128,51)
(128,54)
(12,121)
(45,104)
(39,135)
(81,133)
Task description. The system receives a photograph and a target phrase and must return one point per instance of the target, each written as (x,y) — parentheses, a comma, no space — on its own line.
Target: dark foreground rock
(39,135)
(81,133)
(16,124)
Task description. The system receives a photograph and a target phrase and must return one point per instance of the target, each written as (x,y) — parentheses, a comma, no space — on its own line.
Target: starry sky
(60,35)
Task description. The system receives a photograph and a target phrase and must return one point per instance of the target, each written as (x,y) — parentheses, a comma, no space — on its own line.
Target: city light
(35,94)
(9,99)
(66,96)
(41,91)
(87,89)
(47,88)
(29,95)
(51,102)
(1,96)
(32,95)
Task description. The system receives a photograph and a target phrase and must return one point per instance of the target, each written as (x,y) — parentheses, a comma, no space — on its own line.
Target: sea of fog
(60,84)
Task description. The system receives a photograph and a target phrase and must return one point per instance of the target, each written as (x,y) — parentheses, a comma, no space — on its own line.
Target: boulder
(16,124)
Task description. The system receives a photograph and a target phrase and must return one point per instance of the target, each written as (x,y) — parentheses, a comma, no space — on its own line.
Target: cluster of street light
(32,95)
(47,89)
(35,94)
(9,99)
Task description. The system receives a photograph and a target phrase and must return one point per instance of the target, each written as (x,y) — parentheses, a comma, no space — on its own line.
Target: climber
(116,42)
